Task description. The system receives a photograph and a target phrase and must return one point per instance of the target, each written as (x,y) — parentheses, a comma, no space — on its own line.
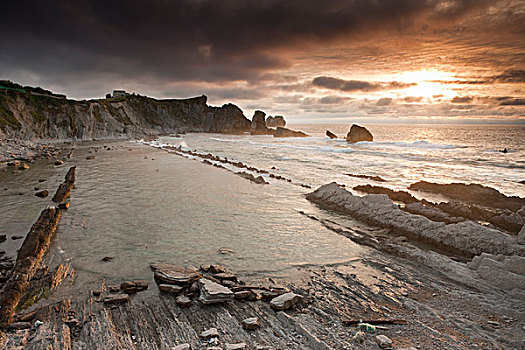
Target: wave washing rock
(274,122)
(472,193)
(331,134)
(258,126)
(283,132)
(358,133)
(27,116)
(466,237)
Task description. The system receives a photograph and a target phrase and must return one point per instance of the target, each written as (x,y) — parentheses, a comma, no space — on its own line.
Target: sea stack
(358,133)
(275,122)
(331,134)
(259,124)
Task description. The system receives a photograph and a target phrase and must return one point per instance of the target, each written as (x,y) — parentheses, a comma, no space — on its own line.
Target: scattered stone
(358,133)
(216,269)
(107,258)
(116,299)
(242,295)
(59,162)
(19,325)
(90,157)
(14,163)
(3,238)
(331,134)
(251,323)
(210,333)
(174,274)
(238,346)
(38,323)
(23,167)
(285,301)
(17,237)
(225,276)
(184,346)
(212,292)
(96,292)
(114,289)
(183,301)
(41,180)
(134,286)
(42,194)
(384,342)
(64,206)
(170,288)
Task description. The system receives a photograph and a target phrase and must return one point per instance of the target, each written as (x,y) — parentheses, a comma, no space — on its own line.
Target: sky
(409,61)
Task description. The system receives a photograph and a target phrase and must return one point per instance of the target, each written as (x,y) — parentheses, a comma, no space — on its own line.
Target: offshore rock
(283,132)
(358,133)
(331,134)
(212,292)
(274,122)
(258,126)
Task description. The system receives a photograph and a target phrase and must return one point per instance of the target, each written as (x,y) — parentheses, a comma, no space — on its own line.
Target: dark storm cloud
(357,85)
(511,76)
(513,102)
(223,40)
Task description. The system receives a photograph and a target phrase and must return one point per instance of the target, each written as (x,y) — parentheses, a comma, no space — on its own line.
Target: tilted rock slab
(212,292)
(466,237)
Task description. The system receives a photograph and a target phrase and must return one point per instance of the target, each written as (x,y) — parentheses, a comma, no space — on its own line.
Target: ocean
(400,154)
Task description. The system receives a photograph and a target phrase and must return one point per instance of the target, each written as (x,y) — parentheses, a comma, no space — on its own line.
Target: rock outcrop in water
(284,132)
(30,116)
(258,126)
(358,133)
(466,237)
(331,134)
(274,122)
(472,193)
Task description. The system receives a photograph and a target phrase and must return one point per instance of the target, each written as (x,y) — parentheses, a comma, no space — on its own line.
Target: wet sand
(372,283)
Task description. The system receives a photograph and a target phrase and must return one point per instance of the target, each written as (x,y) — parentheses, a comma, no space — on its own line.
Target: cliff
(33,113)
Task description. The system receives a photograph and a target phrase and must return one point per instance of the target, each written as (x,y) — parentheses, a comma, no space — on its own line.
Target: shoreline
(331,293)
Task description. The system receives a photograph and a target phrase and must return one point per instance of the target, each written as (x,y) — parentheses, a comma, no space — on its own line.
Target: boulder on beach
(331,134)
(274,122)
(283,132)
(358,133)
(259,124)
